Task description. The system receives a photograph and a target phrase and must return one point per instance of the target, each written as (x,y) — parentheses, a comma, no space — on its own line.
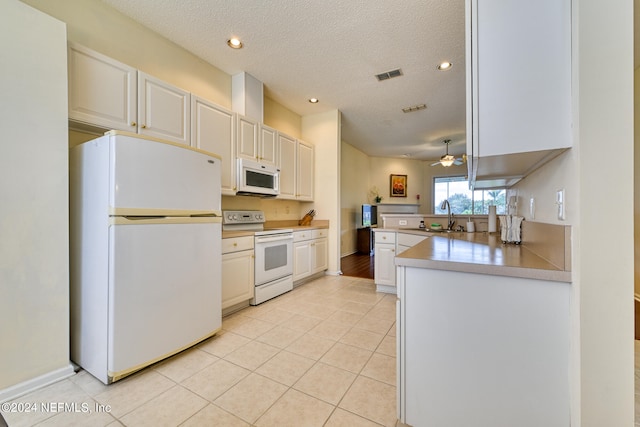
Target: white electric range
(273,253)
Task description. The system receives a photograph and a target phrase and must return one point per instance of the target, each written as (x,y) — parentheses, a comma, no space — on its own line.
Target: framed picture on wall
(398,186)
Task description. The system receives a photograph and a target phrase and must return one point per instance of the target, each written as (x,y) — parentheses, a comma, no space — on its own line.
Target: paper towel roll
(492,219)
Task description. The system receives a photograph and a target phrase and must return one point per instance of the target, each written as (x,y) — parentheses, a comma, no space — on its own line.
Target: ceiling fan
(448,160)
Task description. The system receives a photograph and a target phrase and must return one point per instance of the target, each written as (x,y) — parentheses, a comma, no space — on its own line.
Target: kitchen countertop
(477,253)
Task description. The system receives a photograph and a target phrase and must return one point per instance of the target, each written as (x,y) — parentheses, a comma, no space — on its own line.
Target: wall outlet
(560,203)
(402,222)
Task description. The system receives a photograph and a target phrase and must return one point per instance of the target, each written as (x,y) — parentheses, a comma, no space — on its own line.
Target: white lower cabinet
(310,253)
(388,244)
(384,259)
(238,283)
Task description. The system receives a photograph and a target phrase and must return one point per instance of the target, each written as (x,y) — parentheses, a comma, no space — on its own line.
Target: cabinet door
(319,250)
(163,110)
(301,260)
(102,91)
(384,266)
(237,278)
(287,165)
(268,144)
(213,129)
(247,141)
(520,59)
(305,166)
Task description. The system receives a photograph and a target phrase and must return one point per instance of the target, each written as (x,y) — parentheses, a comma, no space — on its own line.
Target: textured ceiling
(332,50)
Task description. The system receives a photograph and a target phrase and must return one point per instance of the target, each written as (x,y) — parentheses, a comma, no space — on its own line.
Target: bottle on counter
(422,225)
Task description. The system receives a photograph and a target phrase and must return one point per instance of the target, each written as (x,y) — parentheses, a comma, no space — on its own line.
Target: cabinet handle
(143,126)
(393,250)
(133,123)
(235,244)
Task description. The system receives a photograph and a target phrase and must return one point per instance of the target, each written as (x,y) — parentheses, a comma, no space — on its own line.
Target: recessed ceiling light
(234,43)
(314,100)
(443,66)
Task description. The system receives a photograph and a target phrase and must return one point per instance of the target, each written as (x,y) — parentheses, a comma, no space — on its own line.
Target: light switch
(532,208)
(560,203)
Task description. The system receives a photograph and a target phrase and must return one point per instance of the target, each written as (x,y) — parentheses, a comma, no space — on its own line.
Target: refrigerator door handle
(137,220)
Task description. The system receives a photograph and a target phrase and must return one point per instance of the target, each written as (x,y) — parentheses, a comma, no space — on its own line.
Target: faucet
(450,220)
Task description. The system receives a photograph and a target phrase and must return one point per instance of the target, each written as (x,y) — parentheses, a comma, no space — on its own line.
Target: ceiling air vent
(414,108)
(389,75)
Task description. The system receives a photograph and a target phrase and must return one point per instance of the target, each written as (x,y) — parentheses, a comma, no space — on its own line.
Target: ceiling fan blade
(435,164)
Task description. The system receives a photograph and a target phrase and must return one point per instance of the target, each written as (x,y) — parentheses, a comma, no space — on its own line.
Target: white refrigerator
(145,223)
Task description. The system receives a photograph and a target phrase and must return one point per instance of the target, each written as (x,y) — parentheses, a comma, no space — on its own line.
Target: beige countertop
(477,253)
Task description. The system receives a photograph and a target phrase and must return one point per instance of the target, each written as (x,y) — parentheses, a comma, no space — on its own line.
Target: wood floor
(357,265)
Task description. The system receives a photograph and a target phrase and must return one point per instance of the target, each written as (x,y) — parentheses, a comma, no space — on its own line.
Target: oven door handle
(273,238)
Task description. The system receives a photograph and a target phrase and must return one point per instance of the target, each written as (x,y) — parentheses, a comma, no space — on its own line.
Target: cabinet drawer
(405,239)
(385,237)
(236,244)
(299,236)
(319,233)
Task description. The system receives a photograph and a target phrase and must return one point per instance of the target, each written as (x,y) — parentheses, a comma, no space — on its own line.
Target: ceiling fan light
(446,162)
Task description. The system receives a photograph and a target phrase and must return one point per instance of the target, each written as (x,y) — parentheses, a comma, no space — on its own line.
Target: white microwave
(257,179)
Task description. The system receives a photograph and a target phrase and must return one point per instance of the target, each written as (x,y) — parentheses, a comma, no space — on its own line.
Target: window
(463,201)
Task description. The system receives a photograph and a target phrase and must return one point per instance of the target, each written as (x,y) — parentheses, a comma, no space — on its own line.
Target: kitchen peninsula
(483,330)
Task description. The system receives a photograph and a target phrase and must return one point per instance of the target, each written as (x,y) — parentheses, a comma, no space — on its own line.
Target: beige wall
(381,169)
(34,180)
(354,190)
(542,185)
(281,118)
(323,131)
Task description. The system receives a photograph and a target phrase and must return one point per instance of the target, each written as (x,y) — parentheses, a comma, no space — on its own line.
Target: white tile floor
(320,355)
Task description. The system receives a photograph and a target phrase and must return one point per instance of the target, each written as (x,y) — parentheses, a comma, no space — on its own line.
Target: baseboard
(28,386)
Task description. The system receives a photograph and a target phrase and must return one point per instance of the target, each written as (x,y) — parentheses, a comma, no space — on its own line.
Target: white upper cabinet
(247,138)
(163,110)
(213,128)
(108,94)
(518,84)
(268,145)
(296,164)
(306,170)
(256,141)
(102,91)
(287,165)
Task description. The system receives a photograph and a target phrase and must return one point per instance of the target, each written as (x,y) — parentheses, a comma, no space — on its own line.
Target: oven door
(274,257)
